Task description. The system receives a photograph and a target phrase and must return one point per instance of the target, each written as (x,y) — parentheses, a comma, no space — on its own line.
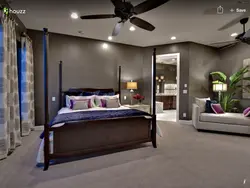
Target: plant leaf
(221,76)
(238,76)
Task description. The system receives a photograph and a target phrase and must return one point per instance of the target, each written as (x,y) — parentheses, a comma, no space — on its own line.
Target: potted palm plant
(234,82)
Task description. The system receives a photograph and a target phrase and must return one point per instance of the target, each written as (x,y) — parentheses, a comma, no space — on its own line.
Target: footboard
(84,137)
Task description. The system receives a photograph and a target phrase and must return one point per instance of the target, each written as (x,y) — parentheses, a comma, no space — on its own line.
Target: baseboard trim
(185,122)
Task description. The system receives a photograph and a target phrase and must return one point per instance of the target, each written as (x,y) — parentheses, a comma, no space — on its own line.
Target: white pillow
(98,102)
(68,98)
(201,102)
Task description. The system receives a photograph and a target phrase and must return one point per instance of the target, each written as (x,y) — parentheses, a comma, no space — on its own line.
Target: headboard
(78,91)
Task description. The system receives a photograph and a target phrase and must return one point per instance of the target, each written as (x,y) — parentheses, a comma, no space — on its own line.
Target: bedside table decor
(131,85)
(139,98)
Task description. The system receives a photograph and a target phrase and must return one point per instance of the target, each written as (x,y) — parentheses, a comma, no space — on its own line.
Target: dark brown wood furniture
(169,102)
(84,137)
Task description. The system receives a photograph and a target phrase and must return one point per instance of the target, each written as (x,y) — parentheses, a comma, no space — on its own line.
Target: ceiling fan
(245,35)
(126,11)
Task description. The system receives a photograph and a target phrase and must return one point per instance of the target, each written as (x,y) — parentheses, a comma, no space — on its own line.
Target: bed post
(154,101)
(60,86)
(46,113)
(119,83)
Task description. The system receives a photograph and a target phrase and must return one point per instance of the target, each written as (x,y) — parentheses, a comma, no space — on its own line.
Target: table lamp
(219,87)
(131,86)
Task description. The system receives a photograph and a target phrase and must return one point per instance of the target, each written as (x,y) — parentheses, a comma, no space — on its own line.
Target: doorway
(167,87)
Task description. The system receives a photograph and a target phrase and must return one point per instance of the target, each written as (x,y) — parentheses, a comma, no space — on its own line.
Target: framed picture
(245,94)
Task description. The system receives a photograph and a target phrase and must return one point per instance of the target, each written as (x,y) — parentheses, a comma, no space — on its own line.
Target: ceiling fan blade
(142,23)
(148,5)
(98,16)
(117,28)
(233,22)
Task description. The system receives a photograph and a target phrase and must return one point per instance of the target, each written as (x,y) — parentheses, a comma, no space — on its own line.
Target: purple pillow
(103,103)
(246,112)
(217,108)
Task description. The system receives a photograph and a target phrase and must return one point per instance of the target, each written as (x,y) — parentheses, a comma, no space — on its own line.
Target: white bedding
(40,155)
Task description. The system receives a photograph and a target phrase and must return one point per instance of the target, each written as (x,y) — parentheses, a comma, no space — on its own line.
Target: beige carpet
(185,158)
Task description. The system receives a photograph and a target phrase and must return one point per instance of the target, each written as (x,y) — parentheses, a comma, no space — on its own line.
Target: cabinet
(169,102)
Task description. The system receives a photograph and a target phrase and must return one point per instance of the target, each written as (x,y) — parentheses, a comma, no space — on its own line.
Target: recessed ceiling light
(74,15)
(105,46)
(173,59)
(132,28)
(110,38)
(234,34)
(173,38)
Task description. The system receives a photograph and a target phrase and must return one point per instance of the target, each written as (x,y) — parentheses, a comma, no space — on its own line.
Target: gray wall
(85,64)
(202,61)
(232,60)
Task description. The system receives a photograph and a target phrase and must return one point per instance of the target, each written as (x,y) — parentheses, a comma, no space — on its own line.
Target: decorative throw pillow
(69,98)
(103,103)
(201,102)
(217,109)
(80,104)
(112,103)
(208,106)
(98,99)
(246,112)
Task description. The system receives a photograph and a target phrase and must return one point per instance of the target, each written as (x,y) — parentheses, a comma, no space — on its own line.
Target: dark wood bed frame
(96,135)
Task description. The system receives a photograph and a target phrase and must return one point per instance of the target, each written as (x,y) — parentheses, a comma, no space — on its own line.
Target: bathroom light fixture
(234,34)
(110,38)
(162,77)
(74,15)
(132,28)
(157,78)
(105,46)
(173,38)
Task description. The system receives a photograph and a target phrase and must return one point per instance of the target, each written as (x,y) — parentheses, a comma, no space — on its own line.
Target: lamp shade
(131,85)
(219,87)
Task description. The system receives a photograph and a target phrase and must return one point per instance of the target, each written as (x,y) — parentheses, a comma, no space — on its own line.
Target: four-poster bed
(93,134)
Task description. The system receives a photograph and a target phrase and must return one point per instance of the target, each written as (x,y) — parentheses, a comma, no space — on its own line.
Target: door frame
(178,82)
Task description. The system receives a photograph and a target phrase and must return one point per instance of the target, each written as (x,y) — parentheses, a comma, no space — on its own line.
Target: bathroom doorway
(167,87)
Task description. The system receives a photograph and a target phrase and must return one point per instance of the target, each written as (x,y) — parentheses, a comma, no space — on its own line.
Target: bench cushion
(226,118)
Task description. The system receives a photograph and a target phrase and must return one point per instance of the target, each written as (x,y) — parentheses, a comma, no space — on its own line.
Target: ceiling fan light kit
(126,11)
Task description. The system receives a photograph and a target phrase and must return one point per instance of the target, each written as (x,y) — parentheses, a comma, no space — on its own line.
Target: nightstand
(141,107)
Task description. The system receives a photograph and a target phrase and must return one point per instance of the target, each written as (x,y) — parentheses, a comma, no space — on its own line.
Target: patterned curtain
(9,99)
(27,87)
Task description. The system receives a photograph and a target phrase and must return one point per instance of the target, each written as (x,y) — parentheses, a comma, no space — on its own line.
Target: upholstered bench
(159,107)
